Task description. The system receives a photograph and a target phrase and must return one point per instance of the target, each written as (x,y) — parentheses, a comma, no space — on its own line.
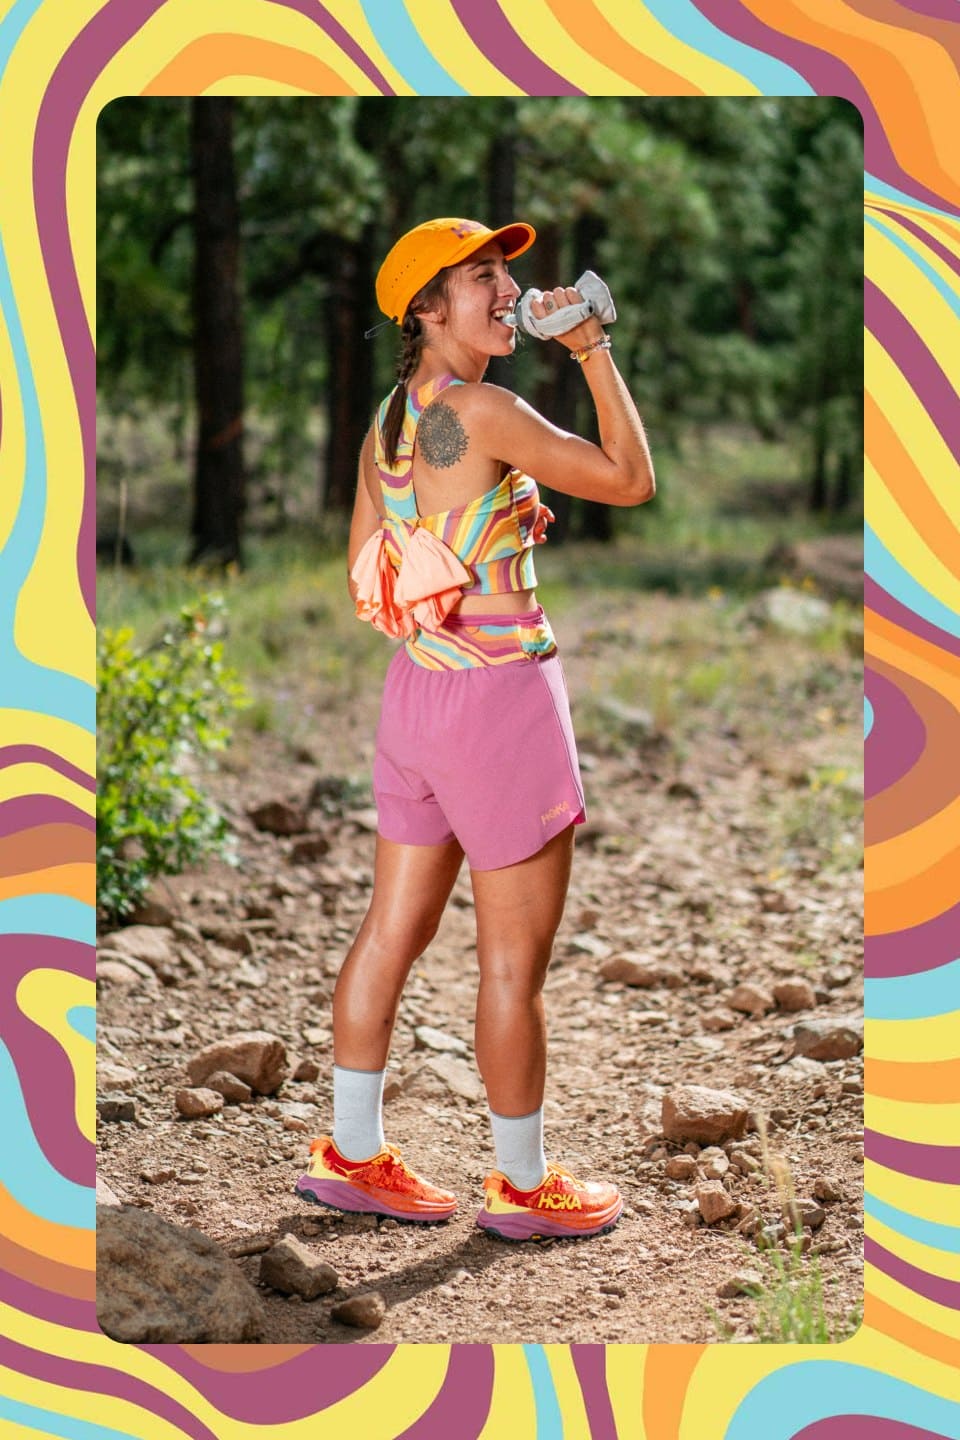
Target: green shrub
(161,711)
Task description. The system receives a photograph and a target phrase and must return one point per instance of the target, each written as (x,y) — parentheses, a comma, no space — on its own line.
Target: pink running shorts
(485,755)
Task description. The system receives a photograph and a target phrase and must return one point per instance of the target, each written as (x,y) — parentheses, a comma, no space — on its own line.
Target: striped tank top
(484,547)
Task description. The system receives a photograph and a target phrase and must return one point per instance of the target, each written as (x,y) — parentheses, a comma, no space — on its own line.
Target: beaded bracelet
(604,343)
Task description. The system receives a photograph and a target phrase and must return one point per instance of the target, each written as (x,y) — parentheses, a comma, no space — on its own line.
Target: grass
(791,1302)
(791,1305)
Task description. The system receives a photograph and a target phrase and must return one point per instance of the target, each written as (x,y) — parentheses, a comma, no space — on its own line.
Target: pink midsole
(521,1226)
(343,1196)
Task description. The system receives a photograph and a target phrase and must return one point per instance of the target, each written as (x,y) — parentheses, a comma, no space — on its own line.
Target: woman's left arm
(366,520)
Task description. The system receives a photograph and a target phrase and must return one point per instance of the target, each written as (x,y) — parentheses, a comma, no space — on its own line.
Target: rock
(748,1222)
(153,910)
(293,1269)
(254,1056)
(680,1167)
(234,1091)
(776,902)
(828,1039)
(309,848)
(633,721)
(458,1076)
(714,1202)
(694,1112)
(426,1038)
(640,970)
(365,1312)
(366,819)
(118,973)
(163,1284)
(106,1196)
(792,611)
(718,1020)
(682,790)
(744,1282)
(306,1070)
(827,1189)
(751,999)
(198,1104)
(231,937)
(838,975)
(584,943)
(277,817)
(116,1107)
(714,1163)
(317,1035)
(114,1077)
(148,944)
(805,1212)
(795,994)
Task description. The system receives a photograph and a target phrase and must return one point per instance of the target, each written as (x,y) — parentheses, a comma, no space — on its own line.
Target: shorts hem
(527,850)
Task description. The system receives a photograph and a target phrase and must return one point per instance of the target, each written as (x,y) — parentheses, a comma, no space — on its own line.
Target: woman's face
(480,292)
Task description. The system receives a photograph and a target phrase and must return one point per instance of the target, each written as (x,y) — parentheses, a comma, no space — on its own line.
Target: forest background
(238,241)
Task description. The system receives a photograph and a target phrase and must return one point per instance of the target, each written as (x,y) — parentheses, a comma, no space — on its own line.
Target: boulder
(233,1090)
(795,994)
(150,944)
(750,999)
(198,1104)
(293,1269)
(828,1039)
(457,1075)
(793,611)
(164,1284)
(694,1112)
(256,1057)
(714,1202)
(425,1037)
(641,970)
(363,1311)
(277,817)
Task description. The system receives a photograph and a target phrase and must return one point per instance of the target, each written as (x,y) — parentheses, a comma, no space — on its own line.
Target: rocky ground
(699,948)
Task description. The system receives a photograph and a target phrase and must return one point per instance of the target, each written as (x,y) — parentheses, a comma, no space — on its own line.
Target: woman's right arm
(618,471)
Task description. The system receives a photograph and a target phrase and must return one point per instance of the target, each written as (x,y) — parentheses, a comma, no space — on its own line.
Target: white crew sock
(358,1112)
(518,1141)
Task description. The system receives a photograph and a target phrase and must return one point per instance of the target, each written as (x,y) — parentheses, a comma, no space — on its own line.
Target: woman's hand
(545,517)
(581,335)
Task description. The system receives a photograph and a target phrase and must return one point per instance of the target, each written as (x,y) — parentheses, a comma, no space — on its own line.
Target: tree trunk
(501,189)
(818,479)
(217,337)
(349,368)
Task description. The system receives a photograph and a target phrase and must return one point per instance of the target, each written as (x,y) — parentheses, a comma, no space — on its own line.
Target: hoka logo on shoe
(559,1202)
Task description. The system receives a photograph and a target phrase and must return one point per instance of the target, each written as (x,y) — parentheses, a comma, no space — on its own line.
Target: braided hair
(432,296)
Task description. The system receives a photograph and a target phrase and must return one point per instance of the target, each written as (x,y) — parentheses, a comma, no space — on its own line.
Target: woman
(475,749)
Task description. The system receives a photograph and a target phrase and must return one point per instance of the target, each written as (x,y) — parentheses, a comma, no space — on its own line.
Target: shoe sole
(518,1227)
(332,1195)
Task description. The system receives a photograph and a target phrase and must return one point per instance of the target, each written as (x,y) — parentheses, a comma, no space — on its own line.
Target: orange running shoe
(382,1185)
(561,1205)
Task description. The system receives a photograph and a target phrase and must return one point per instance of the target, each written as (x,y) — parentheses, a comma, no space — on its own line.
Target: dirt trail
(675,864)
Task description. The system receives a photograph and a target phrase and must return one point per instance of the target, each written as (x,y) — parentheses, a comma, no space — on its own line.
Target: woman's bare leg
(518,911)
(411,886)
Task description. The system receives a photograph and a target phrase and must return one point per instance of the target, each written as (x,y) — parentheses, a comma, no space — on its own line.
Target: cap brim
(514,239)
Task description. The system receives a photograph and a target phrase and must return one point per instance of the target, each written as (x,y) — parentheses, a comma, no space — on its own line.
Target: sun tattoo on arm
(441,437)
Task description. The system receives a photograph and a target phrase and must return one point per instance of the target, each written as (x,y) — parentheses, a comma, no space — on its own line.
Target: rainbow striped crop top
(412,571)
